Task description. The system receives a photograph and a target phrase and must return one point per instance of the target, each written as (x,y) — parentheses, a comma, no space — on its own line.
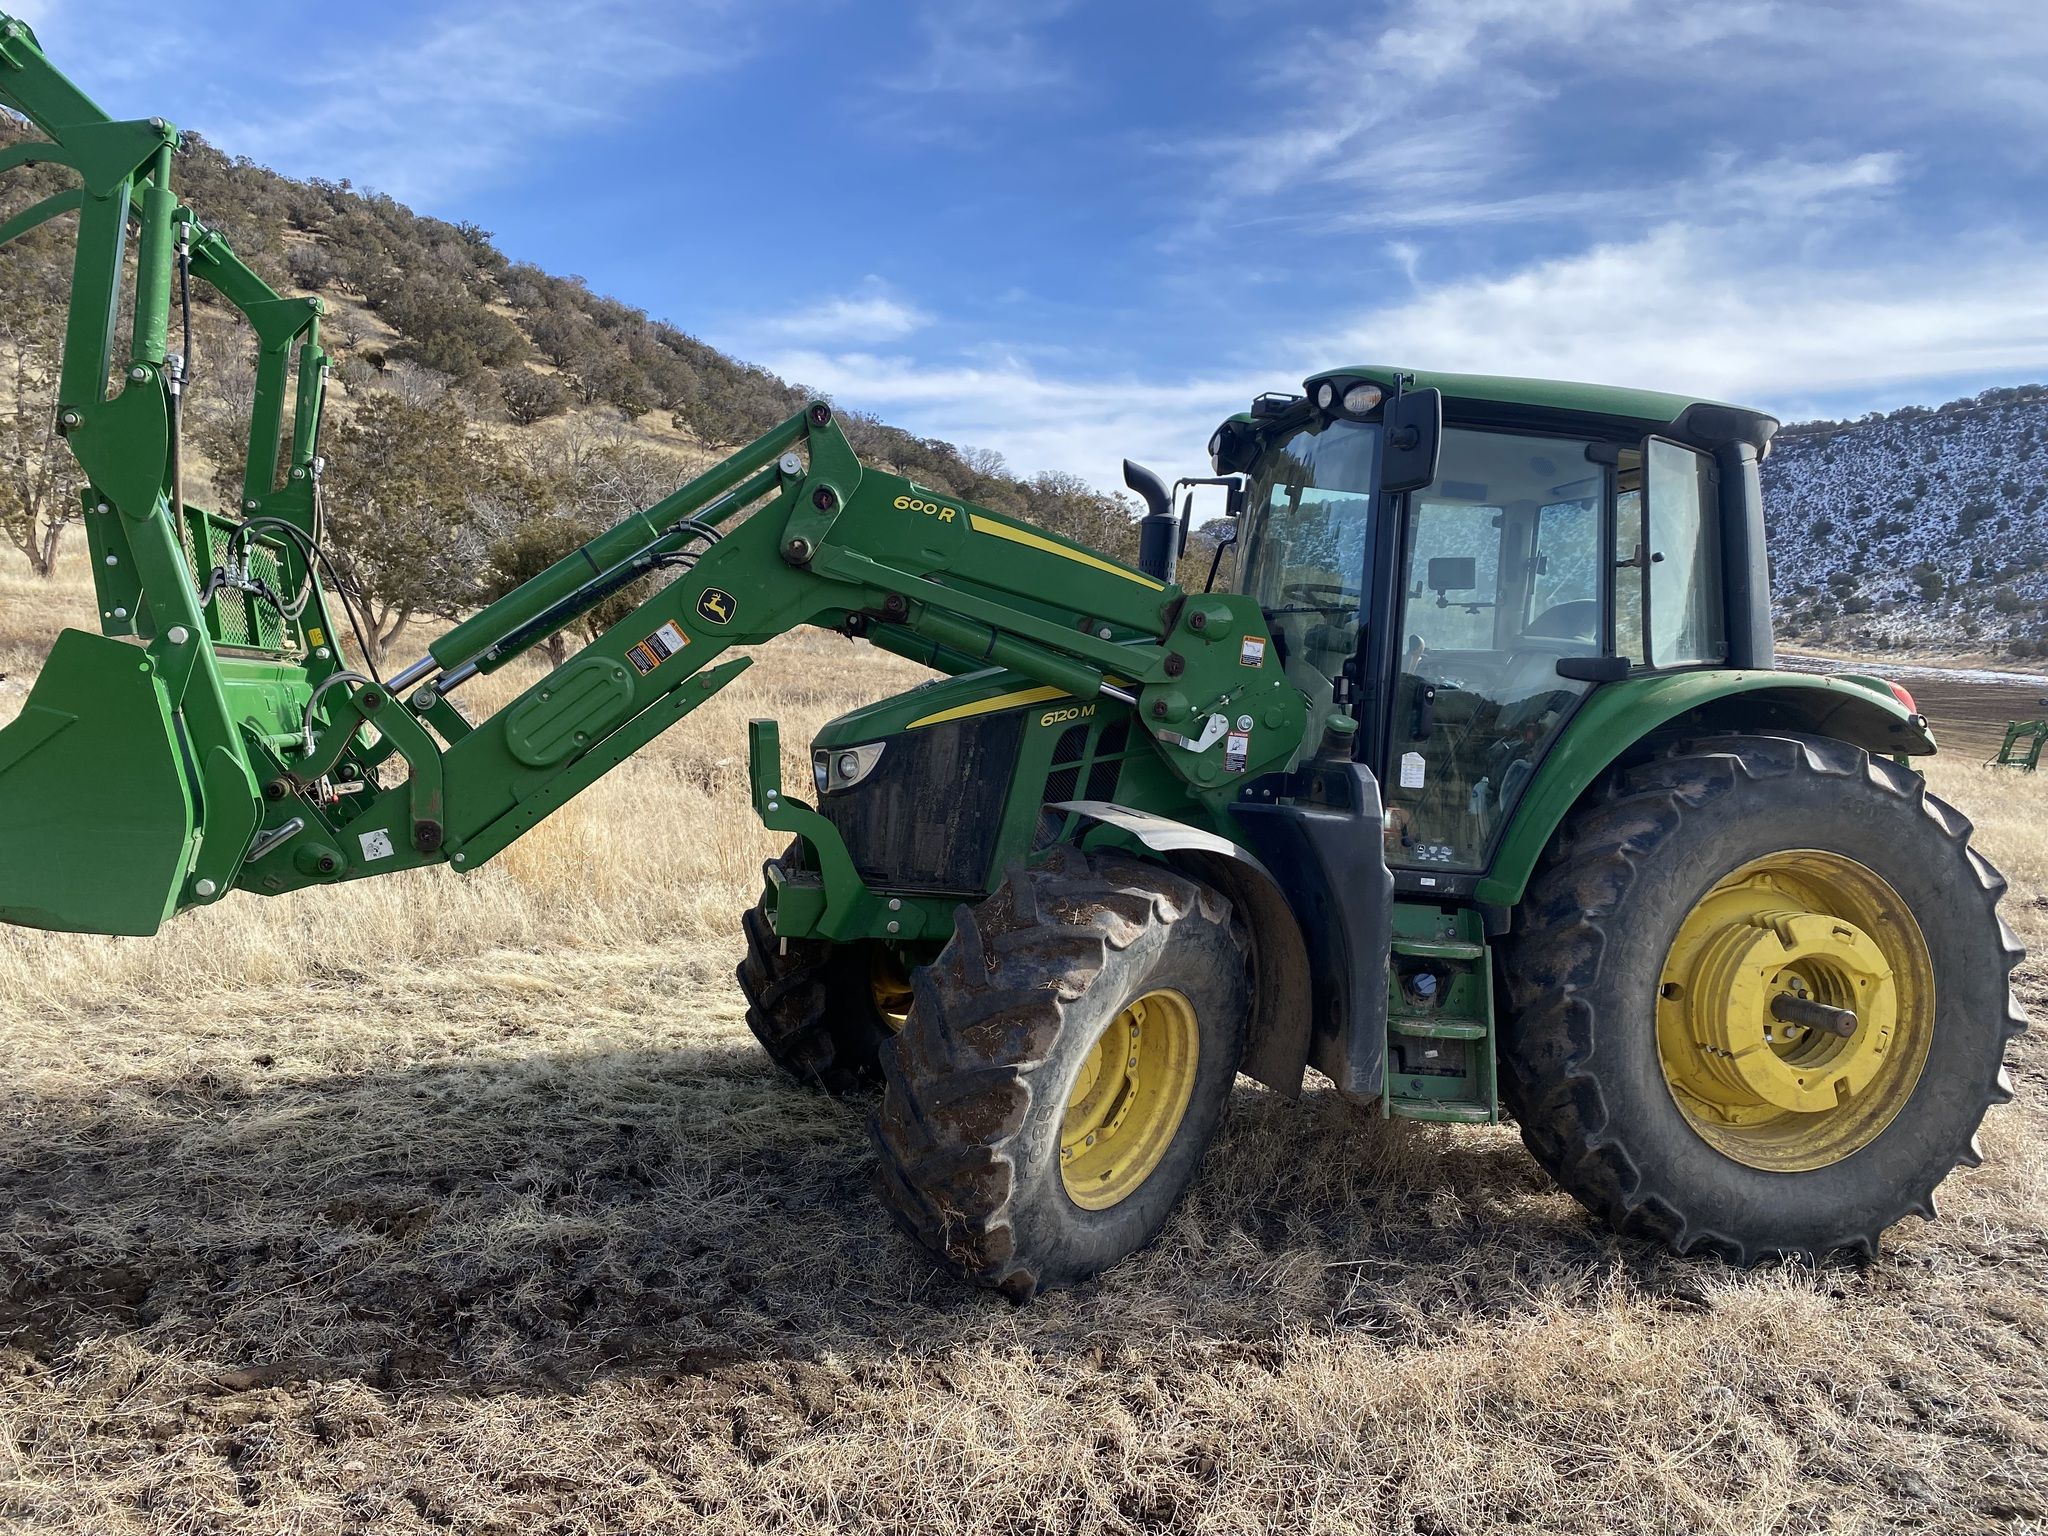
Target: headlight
(844,767)
(1215,443)
(1363,399)
(1326,396)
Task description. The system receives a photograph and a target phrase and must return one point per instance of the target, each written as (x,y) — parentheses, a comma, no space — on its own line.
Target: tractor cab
(1460,561)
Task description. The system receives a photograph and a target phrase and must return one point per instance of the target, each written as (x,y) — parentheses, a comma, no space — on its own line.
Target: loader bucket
(96,814)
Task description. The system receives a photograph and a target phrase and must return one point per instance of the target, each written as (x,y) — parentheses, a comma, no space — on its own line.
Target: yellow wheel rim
(1781,1096)
(1129,1099)
(889,986)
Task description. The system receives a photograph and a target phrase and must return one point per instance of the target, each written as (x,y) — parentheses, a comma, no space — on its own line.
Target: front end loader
(1473,788)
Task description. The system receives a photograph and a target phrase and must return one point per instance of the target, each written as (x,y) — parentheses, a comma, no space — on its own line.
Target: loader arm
(213,737)
(790,531)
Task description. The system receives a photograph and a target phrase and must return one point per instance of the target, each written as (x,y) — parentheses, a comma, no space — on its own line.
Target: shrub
(532,397)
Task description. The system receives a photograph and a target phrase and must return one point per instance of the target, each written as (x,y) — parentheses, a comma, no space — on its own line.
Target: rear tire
(1067,1062)
(1611,1112)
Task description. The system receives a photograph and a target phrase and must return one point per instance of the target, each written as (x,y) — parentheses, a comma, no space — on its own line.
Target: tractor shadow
(539,1223)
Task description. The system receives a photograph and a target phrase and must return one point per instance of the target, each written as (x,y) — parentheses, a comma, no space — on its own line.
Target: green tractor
(1473,788)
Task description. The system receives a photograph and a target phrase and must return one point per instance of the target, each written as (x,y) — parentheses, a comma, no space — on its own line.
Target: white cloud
(1690,309)
(872,314)
(985,48)
(1036,420)
(463,94)
(1730,187)
(1737,311)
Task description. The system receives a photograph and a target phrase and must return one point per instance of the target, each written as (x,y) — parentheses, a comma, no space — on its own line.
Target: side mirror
(1414,440)
(1453,573)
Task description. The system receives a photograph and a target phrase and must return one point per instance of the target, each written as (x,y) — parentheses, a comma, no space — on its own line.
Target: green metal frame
(2022,747)
(119,419)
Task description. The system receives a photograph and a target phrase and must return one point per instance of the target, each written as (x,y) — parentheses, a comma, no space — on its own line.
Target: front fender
(1277,1042)
(1858,710)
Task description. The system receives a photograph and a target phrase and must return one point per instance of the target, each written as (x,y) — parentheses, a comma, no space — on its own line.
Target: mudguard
(1277,1043)
(1326,840)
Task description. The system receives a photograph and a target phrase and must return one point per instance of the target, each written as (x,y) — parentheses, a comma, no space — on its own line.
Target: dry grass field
(467,1203)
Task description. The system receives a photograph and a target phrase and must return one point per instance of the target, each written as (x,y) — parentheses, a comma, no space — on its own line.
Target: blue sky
(1069,231)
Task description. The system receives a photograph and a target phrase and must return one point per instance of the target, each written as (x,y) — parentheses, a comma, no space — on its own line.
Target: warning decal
(1237,747)
(657,648)
(1251,652)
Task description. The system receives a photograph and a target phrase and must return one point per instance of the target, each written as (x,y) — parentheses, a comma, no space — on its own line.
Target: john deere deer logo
(716,606)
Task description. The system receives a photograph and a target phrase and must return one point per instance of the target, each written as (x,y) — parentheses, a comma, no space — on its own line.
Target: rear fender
(1614,719)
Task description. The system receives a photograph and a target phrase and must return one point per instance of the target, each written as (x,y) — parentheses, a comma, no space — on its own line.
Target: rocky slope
(1923,528)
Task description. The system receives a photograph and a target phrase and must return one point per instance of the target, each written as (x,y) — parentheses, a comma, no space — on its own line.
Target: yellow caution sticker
(657,648)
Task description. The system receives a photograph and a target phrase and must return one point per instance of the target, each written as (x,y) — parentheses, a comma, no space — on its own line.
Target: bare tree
(403,493)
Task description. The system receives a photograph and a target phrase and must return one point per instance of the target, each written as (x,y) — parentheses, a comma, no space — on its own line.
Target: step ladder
(1440,1023)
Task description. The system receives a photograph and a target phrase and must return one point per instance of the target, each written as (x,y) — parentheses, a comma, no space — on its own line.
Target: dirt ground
(467,1203)
(1969,717)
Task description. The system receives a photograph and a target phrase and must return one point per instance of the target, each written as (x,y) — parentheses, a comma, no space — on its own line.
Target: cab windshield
(1309,528)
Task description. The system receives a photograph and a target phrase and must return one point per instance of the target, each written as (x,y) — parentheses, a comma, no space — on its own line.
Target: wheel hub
(1747,1056)
(1821,939)
(1128,1099)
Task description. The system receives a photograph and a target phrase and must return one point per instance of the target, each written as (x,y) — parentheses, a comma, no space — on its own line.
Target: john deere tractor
(1473,787)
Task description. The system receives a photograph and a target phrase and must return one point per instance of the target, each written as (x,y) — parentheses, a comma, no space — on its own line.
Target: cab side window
(1682,492)
(1667,557)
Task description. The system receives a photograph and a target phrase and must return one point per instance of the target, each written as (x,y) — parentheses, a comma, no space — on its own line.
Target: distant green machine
(1478,787)
(2023,744)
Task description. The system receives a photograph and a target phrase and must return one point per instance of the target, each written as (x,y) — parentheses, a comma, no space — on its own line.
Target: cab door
(1501,577)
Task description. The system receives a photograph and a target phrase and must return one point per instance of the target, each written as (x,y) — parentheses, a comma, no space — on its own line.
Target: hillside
(1923,528)
(568,408)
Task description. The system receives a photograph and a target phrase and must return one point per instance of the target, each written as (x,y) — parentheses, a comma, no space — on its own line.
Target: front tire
(1066,1064)
(822,1011)
(1645,1059)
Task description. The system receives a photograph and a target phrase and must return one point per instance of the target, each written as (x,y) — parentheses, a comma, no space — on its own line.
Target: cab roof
(1707,423)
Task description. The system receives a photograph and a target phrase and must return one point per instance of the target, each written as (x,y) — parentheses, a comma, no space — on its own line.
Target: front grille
(927,816)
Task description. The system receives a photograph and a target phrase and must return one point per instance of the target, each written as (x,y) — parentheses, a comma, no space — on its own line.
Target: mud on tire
(1005,1020)
(1580,1064)
(812,1006)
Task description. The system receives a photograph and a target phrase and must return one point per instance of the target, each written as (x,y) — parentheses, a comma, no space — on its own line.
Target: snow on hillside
(1923,528)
